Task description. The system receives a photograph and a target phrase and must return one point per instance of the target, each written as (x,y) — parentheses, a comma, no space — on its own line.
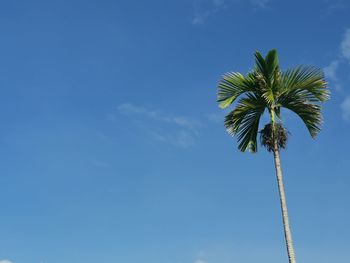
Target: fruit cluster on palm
(267,88)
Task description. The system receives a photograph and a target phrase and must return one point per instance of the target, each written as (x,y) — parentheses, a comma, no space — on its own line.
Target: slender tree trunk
(287,231)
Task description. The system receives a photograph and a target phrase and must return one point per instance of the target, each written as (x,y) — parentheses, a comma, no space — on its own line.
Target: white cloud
(334,5)
(156,115)
(130,108)
(215,117)
(176,130)
(180,138)
(260,3)
(200,18)
(5,261)
(200,261)
(331,74)
(345,45)
(345,106)
(207,8)
(330,70)
(219,2)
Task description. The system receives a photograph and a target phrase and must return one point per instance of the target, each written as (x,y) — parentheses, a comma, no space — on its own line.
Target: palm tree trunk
(287,231)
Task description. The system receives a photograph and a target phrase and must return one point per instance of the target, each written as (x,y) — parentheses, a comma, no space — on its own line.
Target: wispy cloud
(5,261)
(157,115)
(215,117)
(345,45)
(260,3)
(331,74)
(180,138)
(331,71)
(181,130)
(345,106)
(333,6)
(207,8)
(200,261)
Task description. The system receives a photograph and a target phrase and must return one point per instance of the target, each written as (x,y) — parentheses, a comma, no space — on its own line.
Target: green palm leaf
(308,81)
(309,112)
(268,65)
(231,86)
(302,89)
(267,74)
(243,121)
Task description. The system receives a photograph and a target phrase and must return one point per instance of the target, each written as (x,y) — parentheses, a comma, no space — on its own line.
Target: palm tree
(299,89)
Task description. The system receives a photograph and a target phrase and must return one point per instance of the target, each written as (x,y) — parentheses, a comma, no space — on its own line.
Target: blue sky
(112,146)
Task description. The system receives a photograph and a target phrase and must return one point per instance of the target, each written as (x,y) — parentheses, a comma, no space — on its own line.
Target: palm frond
(231,86)
(267,74)
(243,121)
(260,65)
(309,82)
(264,90)
(309,112)
(272,63)
(268,65)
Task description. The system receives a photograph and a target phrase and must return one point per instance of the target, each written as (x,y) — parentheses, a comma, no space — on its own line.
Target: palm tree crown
(300,90)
